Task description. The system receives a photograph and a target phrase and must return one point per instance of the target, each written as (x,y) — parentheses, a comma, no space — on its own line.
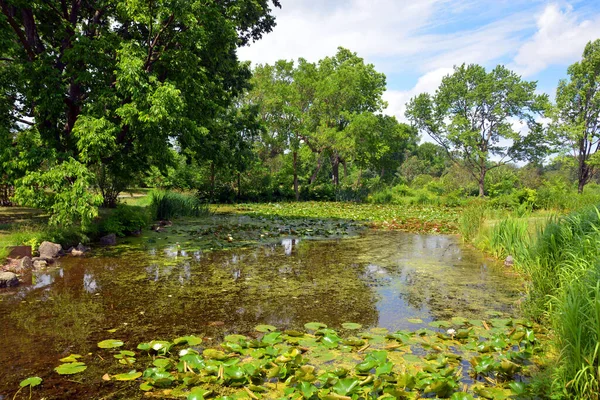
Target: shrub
(126,219)
(167,205)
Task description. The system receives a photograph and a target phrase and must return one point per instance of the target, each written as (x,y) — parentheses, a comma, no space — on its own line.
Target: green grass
(561,257)
(167,205)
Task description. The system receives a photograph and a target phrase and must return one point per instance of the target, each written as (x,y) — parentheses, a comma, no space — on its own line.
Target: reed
(166,205)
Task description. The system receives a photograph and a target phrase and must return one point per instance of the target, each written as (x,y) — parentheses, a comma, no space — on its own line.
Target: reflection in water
(380,279)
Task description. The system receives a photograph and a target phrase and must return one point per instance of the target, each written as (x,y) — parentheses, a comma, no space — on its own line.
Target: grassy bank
(561,257)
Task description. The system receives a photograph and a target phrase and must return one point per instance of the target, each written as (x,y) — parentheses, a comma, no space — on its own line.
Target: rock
(108,240)
(165,223)
(25,264)
(82,248)
(77,253)
(509,262)
(50,250)
(39,264)
(8,279)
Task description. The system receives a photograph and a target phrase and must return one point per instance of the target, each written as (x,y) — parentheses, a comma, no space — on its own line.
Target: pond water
(140,292)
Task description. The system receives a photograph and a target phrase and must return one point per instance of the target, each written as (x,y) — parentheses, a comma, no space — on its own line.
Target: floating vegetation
(422,219)
(456,359)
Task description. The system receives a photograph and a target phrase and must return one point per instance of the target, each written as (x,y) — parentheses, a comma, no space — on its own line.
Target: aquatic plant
(347,364)
(166,205)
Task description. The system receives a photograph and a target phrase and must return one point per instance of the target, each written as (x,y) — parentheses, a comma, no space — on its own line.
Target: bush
(167,205)
(125,220)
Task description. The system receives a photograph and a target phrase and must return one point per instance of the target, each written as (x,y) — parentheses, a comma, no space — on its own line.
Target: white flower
(451,332)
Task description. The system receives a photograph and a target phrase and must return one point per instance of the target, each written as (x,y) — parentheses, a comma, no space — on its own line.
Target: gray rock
(8,279)
(82,248)
(509,262)
(25,264)
(108,240)
(50,250)
(38,264)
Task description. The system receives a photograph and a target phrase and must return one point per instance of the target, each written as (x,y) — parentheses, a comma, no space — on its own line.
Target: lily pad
(265,328)
(415,320)
(190,340)
(31,381)
(314,326)
(110,344)
(71,368)
(70,358)
(351,326)
(130,376)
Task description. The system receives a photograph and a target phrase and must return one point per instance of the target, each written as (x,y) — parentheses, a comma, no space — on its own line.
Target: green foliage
(300,363)
(576,116)
(126,219)
(63,190)
(167,205)
(470,114)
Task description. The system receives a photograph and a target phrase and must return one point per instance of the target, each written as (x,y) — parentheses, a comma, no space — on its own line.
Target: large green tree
(472,115)
(576,117)
(110,85)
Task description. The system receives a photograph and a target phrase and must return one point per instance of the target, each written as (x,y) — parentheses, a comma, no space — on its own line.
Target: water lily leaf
(265,328)
(351,326)
(31,381)
(314,326)
(459,321)
(71,358)
(214,354)
(198,393)
(415,320)
(146,387)
(130,376)
(110,344)
(461,396)
(346,386)
(308,390)
(235,338)
(71,368)
(272,338)
(190,340)
(440,324)
(161,362)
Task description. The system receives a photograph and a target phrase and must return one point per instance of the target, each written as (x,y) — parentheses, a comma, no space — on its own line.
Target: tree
(111,85)
(343,87)
(576,116)
(472,116)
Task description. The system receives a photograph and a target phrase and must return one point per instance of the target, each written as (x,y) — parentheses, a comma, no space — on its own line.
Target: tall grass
(562,262)
(167,205)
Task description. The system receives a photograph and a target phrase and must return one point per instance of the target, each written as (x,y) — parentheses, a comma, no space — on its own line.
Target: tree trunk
(583,175)
(212,181)
(482,182)
(580,186)
(313,178)
(335,167)
(239,184)
(382,172)
(296,176)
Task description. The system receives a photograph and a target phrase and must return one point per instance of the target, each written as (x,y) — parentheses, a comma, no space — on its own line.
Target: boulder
(25,264)
(8,279)
(39,263)
(509,262)
(50,250)
(108,240)
(77,253)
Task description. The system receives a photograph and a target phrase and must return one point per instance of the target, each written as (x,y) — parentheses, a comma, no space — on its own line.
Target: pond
(144,290)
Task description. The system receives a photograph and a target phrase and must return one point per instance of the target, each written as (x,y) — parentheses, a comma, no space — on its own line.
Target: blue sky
(417,42)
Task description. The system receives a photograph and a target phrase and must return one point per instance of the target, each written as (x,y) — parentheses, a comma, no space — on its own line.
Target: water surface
(142,292)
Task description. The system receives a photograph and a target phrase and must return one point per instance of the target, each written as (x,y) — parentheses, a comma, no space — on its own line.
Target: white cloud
(560,38)
(427,83)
